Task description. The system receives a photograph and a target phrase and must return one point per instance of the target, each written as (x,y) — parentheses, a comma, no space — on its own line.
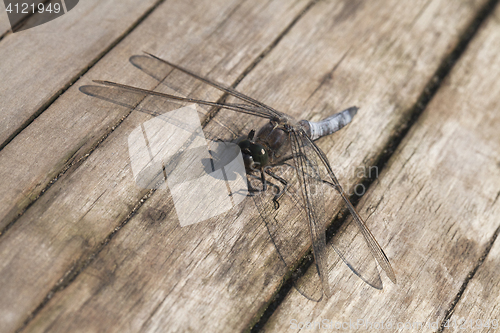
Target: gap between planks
(469,278)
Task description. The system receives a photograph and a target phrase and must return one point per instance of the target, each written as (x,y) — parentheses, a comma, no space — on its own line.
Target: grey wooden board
(154,274)
(478,306)
(188,278)
(476,84)
(435,209)
(39,62)
(75,122)
(36,65)
(27,168)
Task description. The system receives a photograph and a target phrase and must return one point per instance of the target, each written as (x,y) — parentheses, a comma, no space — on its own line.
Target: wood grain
(478,306)
(478,92)
(218,275)
(435,209)
(70,128)
(27,168)
(63,48)
(37,65)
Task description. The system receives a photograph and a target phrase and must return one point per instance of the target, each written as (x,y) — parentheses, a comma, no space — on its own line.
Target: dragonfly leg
(262,179)
(251,189)
(265,183)
(283,190)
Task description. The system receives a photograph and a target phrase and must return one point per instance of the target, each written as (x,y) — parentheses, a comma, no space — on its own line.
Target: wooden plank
(475,82)
(4,21)
(478,307)
(434,209)
(26,167)
(64,48)
(169,278)
(30,80)
(207,34)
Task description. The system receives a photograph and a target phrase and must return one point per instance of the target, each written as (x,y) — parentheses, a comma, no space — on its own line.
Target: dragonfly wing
(286,223)
(175,98)
(138,101)
(151,63)
(125,98)
(159,69)
(370,240)
(178,92)
(325,202)
(312,191)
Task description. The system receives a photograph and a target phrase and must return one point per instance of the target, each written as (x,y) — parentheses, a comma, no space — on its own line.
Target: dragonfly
(289,177)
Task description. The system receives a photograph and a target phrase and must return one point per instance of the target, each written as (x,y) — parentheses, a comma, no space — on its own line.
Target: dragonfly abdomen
(330,125)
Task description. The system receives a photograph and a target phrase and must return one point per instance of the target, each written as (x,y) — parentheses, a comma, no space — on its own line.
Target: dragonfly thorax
(275,138)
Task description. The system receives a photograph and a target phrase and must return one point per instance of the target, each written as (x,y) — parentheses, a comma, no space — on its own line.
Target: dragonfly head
(254,154)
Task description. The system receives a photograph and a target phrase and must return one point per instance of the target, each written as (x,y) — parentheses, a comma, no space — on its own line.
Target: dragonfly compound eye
(254,155)
(259,155)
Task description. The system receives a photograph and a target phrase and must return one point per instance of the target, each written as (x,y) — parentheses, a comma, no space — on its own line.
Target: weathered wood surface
(72,125)
(478,306)
(151,274)
(479,103)
(68,45)
(36,66)
(4,22)
(439,194)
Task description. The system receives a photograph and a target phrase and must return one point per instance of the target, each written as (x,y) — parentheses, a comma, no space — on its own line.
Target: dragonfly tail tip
(353,110)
